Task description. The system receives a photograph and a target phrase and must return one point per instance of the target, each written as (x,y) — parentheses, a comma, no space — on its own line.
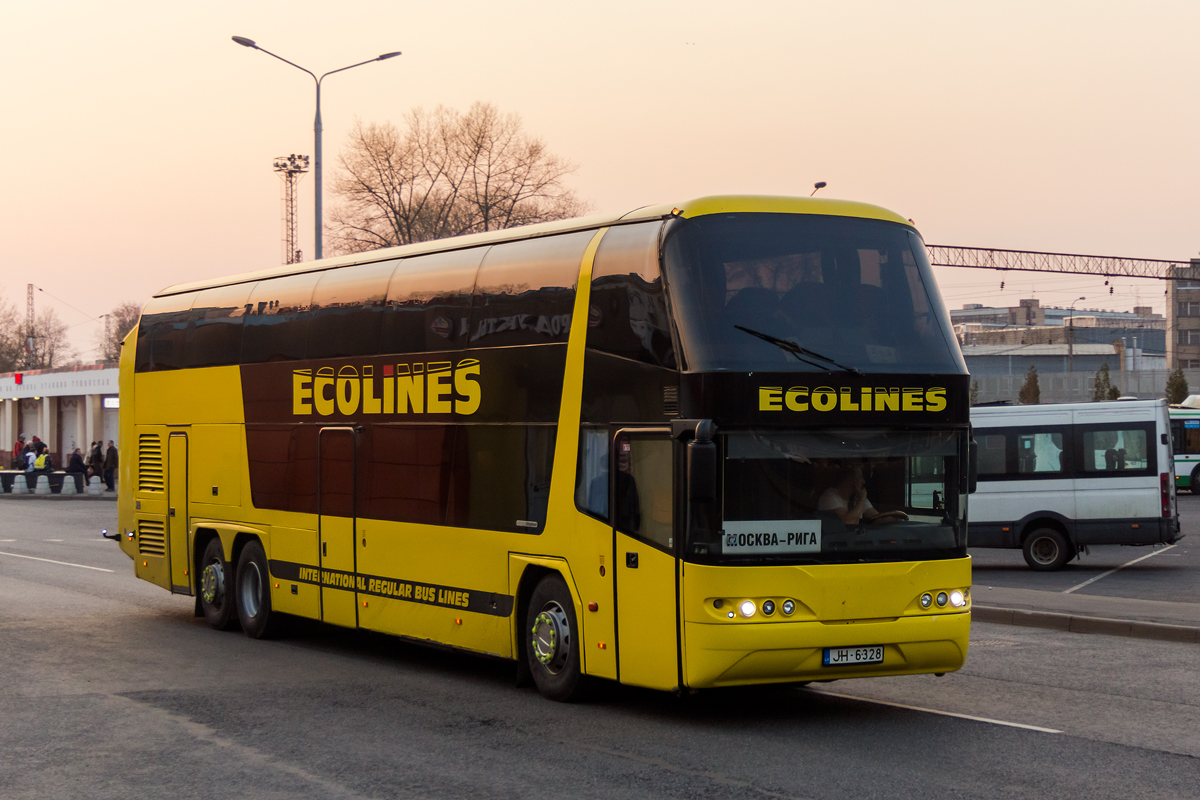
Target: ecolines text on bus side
(826,398)
(434,387)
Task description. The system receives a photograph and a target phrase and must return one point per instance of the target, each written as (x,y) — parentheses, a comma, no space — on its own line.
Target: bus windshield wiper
(801,353)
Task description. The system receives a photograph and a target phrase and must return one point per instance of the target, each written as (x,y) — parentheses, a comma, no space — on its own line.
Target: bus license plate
(845,656)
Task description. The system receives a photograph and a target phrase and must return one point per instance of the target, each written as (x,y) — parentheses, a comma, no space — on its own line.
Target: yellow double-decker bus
(707,445)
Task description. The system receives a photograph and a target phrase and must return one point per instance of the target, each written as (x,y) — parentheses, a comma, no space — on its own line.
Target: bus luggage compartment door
(644,560)
(336,521)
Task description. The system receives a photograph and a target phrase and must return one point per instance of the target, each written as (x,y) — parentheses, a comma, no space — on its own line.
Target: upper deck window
(855,292)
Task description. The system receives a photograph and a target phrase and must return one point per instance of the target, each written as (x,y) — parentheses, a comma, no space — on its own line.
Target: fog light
(788,607)
(768,607)
(957,600)
(926,600)
(941,599)
(747,608)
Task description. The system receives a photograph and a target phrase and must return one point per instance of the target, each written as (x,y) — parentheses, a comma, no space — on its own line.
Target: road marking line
(936,711)
(52,561)
(51,540)
(1118,569)
(7,540)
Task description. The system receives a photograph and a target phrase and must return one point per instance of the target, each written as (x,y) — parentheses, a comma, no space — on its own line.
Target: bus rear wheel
(216,587)
(253,593)
(552,641)
(1046,550)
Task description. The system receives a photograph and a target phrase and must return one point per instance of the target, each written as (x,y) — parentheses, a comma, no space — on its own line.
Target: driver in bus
(848,499)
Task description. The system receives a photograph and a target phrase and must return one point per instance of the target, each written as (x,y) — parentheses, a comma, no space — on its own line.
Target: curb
(106,496)
(1079,624)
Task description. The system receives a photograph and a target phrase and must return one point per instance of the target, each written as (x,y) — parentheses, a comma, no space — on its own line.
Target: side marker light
(458,620)
(593,606)
(602,645)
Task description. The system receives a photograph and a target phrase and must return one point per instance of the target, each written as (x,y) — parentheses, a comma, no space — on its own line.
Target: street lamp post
(319,223)
(1071,338)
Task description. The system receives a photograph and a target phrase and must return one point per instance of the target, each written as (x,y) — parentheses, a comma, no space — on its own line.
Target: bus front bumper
(717,654)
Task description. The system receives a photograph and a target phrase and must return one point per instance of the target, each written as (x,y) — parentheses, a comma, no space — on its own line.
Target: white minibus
(1053,479)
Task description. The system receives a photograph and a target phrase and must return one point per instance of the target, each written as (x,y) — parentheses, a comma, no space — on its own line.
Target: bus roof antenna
(818,186)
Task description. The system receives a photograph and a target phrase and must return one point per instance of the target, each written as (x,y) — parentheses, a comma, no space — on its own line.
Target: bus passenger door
(336,526)
(644,558)
(177,512)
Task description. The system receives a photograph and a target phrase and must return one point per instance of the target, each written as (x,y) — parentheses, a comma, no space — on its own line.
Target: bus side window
(1115,450)
(1039,452)
(591,477)
(993,454)
(1177,436)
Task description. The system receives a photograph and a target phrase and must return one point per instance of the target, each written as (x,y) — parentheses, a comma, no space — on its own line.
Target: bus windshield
(828,496)
(749,289)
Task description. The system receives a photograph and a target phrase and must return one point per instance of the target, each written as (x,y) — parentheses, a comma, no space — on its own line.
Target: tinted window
(1185,436)
(1039,452)
(503,472)
(858,292)
(1116,450)
(993,455)
(283,466)
(525,293)
(275,327)
(162,333)
(627,314)
(337,473)
(215,339)
(429,302)
(408,473)
(591,476)
(347,311)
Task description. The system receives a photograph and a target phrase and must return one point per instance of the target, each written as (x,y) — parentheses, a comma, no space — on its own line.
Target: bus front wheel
(216,587)
(253,593)
(552,641)
(1046,550)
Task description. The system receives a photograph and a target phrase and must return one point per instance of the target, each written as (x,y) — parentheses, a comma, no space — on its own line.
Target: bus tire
(1194,480)
(253,593)
(216,587)
(552,641)
(1046,550)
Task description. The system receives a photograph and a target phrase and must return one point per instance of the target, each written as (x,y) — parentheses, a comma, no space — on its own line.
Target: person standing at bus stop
(18,459)
(110,466)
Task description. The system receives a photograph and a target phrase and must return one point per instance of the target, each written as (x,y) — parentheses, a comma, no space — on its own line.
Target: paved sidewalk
(1082,613)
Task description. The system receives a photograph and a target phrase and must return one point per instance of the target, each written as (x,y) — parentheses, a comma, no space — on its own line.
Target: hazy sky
(140,139)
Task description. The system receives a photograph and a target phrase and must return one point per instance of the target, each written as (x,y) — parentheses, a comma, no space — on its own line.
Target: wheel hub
(551,638)
(1044,551)
(212,584)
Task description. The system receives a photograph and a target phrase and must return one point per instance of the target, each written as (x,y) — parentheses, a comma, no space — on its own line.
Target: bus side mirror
(973,468)
(702,465)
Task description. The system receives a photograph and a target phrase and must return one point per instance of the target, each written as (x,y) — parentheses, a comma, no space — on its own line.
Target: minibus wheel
(552,640)
(253,593)
(1046,550)
(216,587)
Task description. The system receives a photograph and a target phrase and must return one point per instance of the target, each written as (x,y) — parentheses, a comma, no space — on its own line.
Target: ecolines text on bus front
(417,388)
(826,398)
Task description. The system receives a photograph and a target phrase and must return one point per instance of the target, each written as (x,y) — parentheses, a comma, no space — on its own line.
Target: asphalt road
(109,687)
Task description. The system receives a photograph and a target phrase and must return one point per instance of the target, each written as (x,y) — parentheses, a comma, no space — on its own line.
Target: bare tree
(446,174)
(120,322)
(48,347)
(12,347)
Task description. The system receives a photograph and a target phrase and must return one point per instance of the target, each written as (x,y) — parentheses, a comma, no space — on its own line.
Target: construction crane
(1033,261)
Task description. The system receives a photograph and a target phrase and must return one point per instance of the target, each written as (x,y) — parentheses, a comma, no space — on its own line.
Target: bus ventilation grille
(152,538)
(150,466)
(671,401)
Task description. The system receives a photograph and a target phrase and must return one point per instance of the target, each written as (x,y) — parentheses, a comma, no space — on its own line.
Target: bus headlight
(789,607)
(957,600)
(768,607)
(747,608)
(926,600)
(941,599)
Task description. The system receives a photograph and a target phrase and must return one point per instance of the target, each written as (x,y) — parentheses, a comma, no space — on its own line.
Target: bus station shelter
(66,407)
